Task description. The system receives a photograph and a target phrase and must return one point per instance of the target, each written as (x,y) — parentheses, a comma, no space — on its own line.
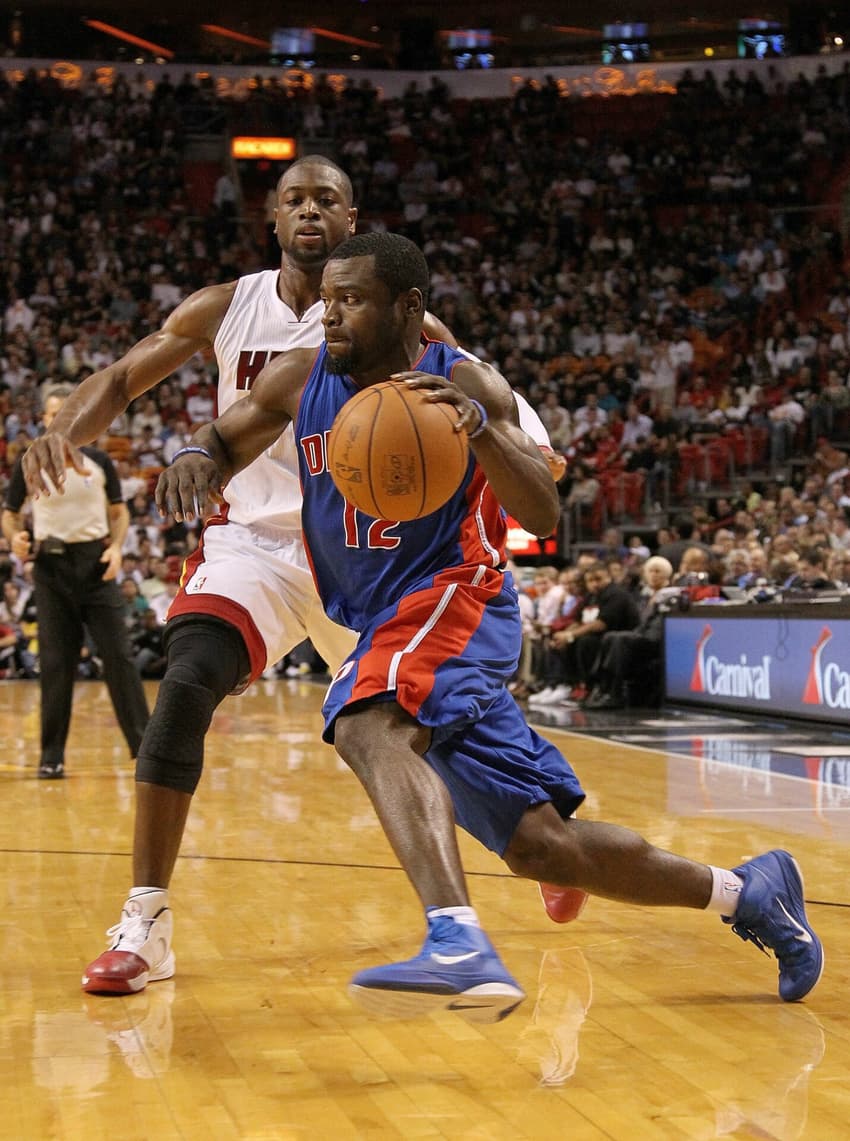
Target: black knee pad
(172,749)
(206,651)
(206,659)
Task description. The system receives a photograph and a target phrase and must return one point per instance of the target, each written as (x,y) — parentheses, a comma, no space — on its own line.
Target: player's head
(314,211)
(375,289)
(396,261)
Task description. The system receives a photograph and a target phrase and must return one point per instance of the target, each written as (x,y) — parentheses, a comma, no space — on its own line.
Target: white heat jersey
(257,327)
(531,423)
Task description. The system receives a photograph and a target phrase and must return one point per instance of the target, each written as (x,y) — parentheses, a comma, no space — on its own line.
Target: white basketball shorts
(260,582)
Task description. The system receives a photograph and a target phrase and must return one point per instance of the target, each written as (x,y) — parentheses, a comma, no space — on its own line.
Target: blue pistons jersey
(364,565)
(438,624)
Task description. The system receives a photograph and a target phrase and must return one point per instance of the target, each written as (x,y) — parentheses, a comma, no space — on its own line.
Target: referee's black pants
(70,594)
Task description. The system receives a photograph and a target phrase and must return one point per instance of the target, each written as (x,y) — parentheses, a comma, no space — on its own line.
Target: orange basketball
(394,455)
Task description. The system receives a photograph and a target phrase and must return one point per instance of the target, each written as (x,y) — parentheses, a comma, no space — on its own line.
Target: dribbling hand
(442,391)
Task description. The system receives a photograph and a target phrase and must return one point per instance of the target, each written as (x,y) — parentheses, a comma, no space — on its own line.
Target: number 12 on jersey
(376,532)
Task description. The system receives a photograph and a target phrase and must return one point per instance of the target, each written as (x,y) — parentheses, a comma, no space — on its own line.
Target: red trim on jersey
(491,520)
(193,561)
(298,451)
(426,344)
(217,605)
(454,627)
(484,521)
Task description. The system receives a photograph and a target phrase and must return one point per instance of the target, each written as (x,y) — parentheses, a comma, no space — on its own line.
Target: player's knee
(351,742)
(373,734)
(206,660)
(172,751)
(206,652)
(539,844)
(528,859)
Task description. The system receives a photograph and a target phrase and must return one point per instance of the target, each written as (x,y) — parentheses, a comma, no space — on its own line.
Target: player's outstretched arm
(434,328)
(531,423)
(218,450)
(512,462)
(95,403)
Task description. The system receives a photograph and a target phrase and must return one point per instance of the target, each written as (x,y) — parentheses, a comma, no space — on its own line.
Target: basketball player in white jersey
(246,597)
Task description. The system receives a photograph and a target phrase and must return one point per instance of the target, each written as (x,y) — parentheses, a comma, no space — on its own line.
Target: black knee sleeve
(206,659)
(206,651)
(172,749)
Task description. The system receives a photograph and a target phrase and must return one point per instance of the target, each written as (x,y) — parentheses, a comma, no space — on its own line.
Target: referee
(78,538)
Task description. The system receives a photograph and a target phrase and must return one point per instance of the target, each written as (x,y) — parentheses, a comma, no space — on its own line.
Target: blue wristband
(482,424)
(188,451)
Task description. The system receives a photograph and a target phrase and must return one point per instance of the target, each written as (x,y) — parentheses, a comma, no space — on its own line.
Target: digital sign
(625,43)
(521,543)
(760,39)
(473,38)
(251,146)
(293,41)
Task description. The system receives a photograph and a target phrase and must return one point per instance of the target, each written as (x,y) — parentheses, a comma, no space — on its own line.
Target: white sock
(155,898)
(465,915)
(726,890)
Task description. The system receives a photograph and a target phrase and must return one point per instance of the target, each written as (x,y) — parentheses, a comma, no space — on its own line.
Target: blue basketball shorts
(445,654)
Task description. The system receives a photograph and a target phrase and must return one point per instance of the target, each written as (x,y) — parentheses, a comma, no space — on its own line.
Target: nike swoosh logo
(500,1014)
(804,936)
(447,960)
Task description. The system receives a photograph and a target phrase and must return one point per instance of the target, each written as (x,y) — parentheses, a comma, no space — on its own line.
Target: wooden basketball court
(638,1024)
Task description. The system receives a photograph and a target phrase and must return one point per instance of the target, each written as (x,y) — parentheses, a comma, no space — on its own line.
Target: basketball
(393,455)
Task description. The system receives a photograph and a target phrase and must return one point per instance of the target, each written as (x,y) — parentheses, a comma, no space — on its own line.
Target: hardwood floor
(638,1024)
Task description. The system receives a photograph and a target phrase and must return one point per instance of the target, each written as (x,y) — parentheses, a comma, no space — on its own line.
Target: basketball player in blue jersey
(420,709)
(246,596)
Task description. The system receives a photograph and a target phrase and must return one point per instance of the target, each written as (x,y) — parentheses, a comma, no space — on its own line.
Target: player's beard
(308,258)
(311,259)
(341,366)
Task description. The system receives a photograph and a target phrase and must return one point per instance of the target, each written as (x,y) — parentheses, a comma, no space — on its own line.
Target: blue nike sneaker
(457,969)
(772,914)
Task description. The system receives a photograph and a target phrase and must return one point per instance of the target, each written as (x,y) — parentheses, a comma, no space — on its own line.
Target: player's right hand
(45,460)
(556,462)
(189,488)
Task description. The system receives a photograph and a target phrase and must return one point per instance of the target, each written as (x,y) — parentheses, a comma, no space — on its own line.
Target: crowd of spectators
(649,279)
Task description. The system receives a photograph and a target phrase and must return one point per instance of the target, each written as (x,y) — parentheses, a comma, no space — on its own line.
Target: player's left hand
(45,462)
(189,488)
(442,391)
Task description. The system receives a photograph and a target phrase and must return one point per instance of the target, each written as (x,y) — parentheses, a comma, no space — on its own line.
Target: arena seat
(691,467)
(719,461)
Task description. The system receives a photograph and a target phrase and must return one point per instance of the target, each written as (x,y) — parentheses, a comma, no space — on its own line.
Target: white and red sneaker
(563,904)
(140,951)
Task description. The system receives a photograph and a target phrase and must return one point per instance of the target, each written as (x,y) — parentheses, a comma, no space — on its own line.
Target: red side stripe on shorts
(405,656)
